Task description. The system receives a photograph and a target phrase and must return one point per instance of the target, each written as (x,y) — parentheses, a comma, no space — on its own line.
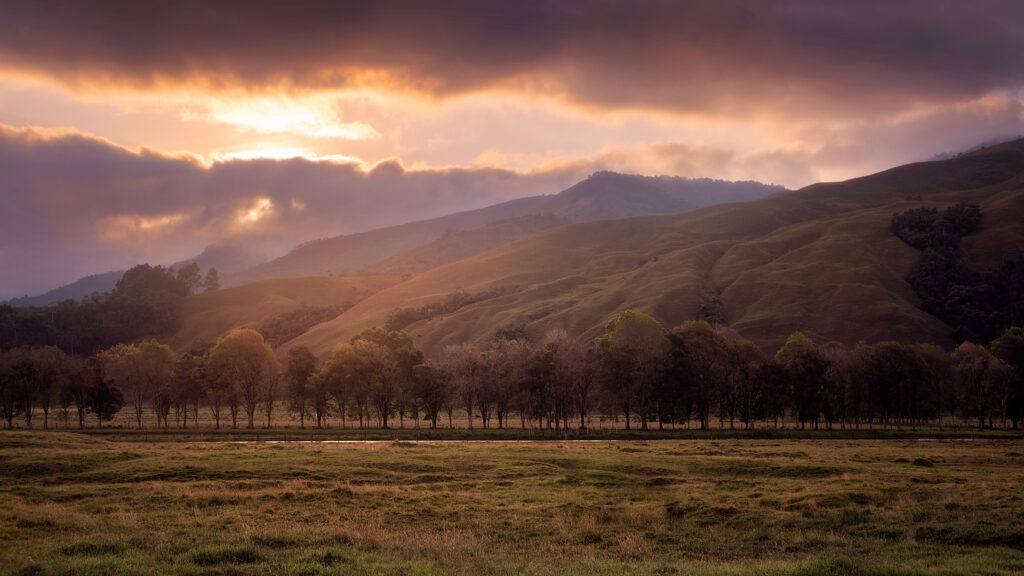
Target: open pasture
(72,504)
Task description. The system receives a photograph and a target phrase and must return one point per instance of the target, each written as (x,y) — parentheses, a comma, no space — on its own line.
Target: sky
(144,131)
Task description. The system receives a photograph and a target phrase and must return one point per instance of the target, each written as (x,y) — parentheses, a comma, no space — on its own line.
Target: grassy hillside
(420,245)
(210,315)
(820,259)
(454,246)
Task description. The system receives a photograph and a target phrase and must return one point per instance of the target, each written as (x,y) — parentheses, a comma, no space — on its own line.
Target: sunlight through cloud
(132,227)
(285,153)
(262,207)
(313,116)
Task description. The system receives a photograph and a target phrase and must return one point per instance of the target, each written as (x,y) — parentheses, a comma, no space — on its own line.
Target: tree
(161,403)
(361,374)
(65,398)
(118,366)
(749,380)
(894,377)
(1009,348)
(319,396)
(146,300)
(777,392)
(190,277)
(511,361)
(430,391)
(462,367)
(220,393)
(9,390)
(806,368)
(24,374)
(143,370)
(974,365)
(838,380)
(575,373)
(51,371)
(936,393)
(301,367)
(212,280)
(82,375)
(105,400)
(1000,375)
(632,351)
(536,386)
(154,364)
(344,378)
(391,355)
(189,382)
(243,359)
(701,366)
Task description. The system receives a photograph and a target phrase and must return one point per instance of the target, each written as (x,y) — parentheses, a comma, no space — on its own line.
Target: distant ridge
(226,258)
(418,246)
(602,196)
(76,290)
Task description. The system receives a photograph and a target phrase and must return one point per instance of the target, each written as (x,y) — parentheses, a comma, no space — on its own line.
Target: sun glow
(130,227)
(314,116)
(262,207)
(285,153)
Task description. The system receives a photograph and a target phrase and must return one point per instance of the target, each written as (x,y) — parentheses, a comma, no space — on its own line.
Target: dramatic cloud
(268,123)
(713,56)
(76,205)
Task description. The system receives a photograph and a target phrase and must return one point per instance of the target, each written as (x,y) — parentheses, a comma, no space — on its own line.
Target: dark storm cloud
(721,56)
(76,205)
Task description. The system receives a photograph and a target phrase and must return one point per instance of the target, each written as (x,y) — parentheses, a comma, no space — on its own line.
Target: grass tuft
(88,548)
(216,555)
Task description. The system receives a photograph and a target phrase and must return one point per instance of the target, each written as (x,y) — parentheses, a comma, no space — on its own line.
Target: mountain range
(602,196)
(821,259)
(421,245)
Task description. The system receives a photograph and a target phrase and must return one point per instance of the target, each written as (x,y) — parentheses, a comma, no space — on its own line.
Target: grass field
(72,504)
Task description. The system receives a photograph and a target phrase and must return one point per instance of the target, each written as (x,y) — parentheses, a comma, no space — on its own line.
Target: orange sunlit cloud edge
(458,106)
(677,56)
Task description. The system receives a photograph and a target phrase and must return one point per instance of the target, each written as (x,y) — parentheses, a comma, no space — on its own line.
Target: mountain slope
(210,315)
(605,195)
(820,259)
(703,192)
(226,258)
(454,246)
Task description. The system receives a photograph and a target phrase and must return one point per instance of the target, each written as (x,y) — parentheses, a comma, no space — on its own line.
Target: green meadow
(76,504)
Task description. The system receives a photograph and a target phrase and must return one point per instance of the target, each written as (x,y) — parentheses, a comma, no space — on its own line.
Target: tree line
(978,306)
(638,374)
(146,301)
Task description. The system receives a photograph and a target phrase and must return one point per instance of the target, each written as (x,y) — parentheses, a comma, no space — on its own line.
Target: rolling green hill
(820,259)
